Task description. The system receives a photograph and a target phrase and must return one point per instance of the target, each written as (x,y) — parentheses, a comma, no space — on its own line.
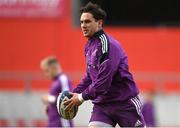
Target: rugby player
(107,81)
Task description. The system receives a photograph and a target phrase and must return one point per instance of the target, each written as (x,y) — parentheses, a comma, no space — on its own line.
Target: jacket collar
(57,76)
(97,34)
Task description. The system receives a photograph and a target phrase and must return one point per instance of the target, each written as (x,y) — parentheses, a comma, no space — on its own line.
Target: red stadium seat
(20,123)
(39,123)
(3,123)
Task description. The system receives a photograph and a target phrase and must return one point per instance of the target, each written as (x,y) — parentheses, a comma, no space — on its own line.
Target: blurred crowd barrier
(23,106)
(21,109)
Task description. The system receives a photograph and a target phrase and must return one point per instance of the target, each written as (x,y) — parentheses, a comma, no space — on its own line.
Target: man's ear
(100,23)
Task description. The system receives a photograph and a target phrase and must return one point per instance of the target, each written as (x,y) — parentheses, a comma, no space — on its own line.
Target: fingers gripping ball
(60,106)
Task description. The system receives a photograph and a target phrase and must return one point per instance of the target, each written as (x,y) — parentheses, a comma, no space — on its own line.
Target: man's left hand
(74,101)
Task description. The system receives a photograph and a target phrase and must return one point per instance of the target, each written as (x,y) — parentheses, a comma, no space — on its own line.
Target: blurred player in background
(148,109)
(53,71)
(107,82)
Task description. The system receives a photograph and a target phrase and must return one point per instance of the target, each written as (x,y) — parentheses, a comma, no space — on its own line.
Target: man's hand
(74,101)
(44,99)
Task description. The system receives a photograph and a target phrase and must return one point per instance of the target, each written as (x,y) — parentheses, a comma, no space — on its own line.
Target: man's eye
(87,21)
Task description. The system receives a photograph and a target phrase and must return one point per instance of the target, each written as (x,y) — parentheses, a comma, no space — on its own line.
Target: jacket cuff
(80,98)
(51,98)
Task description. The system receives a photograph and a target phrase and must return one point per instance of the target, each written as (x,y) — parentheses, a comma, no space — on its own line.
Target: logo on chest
(92,58)
(94,53)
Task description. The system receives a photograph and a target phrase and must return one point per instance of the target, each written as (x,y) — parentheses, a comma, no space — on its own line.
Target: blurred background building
(33,29)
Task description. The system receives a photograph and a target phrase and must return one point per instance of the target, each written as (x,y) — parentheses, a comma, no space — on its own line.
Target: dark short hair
(97,12)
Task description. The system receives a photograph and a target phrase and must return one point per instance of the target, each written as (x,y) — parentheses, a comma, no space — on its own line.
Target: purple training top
(60,83)
(107,77)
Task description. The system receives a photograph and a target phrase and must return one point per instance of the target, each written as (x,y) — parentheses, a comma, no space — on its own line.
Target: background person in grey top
(107,82)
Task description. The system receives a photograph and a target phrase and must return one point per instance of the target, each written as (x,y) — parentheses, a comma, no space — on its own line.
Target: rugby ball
(60,106)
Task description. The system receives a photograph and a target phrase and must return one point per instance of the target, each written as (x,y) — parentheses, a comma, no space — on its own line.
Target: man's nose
(83,25)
